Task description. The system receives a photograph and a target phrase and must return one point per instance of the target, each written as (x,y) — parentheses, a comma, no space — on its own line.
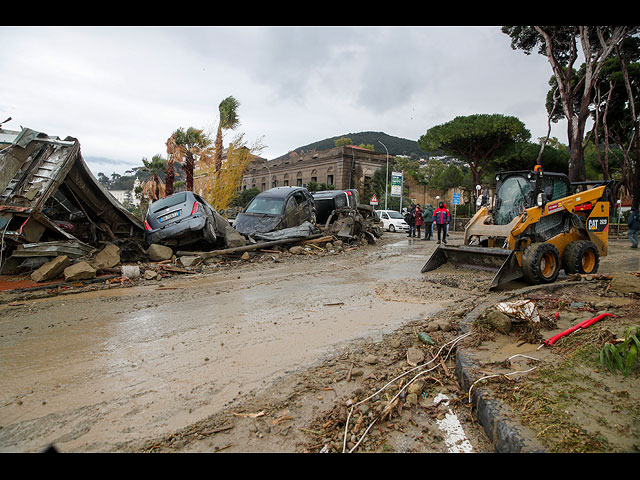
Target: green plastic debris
(424,338)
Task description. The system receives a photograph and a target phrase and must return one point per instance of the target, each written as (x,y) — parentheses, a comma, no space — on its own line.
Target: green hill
(395,145)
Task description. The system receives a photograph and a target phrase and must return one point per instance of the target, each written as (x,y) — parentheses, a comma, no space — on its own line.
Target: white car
(393,221)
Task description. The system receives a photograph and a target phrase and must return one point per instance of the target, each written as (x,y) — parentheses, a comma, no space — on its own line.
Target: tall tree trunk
(219,150)
(635,139)
(188,170)
(170,176)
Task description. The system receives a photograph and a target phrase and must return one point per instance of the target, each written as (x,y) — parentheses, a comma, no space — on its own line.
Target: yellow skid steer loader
(535,226)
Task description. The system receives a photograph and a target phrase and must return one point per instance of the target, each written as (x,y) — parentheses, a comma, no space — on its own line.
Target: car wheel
(209,232)
(392,228)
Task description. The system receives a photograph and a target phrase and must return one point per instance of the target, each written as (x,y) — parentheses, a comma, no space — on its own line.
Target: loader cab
(516,191)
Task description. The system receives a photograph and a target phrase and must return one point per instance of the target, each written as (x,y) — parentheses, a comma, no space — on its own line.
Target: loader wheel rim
(548,265)
(588,261)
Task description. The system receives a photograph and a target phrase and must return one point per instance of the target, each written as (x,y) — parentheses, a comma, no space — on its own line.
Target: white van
(392,220)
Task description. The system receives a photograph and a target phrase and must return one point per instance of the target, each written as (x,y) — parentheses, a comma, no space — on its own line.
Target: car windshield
(394,214)
(265,205)
(511,199)
(168,202)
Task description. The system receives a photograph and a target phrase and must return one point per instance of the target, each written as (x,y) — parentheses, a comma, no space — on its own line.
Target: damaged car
(276,209)
(328,201)
(183,218)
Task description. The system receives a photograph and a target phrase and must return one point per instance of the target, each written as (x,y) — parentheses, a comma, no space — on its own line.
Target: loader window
(511,199)
(560,187)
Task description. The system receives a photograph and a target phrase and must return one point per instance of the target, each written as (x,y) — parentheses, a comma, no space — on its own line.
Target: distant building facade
(343,167)
(127,197)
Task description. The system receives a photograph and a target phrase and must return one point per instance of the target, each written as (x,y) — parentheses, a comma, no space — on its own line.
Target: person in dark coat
(441,217)
(427,217)
(634,226)
(412,221)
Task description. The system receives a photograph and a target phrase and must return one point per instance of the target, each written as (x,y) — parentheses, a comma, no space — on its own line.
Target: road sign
(396,184)
(374,200)
(456,199)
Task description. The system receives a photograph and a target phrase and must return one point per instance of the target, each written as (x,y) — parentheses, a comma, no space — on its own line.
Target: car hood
(250,223)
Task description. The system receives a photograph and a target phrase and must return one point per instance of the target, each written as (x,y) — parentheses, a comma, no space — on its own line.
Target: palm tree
(228,121)
(173,150)
(155,167)
(193,141)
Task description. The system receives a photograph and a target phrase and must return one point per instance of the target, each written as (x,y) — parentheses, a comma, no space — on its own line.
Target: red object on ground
(583,324)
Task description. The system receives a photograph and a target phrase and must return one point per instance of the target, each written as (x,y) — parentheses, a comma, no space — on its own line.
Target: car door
(291,212)
(304,210)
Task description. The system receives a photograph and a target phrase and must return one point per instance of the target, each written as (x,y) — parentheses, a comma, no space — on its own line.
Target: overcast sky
(122,91)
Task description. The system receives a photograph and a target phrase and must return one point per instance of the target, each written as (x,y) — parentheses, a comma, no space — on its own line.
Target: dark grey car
(183,218)
(276,209)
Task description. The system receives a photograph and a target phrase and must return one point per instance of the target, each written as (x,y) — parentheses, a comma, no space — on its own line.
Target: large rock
(625,283)
(158,253)
(499,321)
(232,238)
(109,257)
(79,271)
(51,269)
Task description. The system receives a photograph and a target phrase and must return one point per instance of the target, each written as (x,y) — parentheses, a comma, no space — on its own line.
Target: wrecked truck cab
(276,209)
(183,218)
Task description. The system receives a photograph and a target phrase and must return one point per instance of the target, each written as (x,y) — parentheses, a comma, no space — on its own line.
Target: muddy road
(108,370)
(89,370)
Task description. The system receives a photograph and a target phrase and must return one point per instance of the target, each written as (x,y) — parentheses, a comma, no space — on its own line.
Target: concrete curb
(499,421)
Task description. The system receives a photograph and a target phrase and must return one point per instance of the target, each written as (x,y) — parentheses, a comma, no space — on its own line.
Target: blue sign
(456,199)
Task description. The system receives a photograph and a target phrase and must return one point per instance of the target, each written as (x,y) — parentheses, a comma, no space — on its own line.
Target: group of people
(416,217)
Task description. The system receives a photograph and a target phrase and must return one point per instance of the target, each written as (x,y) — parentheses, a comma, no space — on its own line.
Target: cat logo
(597,224)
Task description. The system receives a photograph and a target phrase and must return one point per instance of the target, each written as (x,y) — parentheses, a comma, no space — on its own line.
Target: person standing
(441,217)
(634,226)
(427,217)
(412,221)
(419,220)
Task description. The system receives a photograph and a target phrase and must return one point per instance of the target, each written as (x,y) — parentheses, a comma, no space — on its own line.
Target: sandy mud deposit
(272,356)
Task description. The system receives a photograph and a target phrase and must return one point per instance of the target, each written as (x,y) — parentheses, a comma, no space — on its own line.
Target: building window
(286,183)
(299,182)
(263,185)
(329,179)
(314,179)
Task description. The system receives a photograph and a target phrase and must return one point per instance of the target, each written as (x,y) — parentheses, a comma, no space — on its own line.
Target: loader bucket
(499,260)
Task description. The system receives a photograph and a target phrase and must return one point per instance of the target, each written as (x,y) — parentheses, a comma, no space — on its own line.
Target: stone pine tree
(476,139)
(561,45)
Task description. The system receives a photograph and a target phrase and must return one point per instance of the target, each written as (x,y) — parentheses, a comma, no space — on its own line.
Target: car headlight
(539,200)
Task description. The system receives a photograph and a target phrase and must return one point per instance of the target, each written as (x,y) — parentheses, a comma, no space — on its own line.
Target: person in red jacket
(442,217)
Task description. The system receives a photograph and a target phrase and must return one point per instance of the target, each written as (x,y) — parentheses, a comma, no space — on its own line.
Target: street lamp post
(269,170)
(386,181)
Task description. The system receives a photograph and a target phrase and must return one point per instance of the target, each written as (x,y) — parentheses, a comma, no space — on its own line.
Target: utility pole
(386,181)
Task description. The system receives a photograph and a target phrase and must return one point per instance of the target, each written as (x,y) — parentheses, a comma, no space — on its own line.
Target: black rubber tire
(209,232)
(582,257)
(541,263)
(392,228)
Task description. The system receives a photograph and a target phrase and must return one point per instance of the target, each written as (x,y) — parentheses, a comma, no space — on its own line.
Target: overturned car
(276,209)
(183,218)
